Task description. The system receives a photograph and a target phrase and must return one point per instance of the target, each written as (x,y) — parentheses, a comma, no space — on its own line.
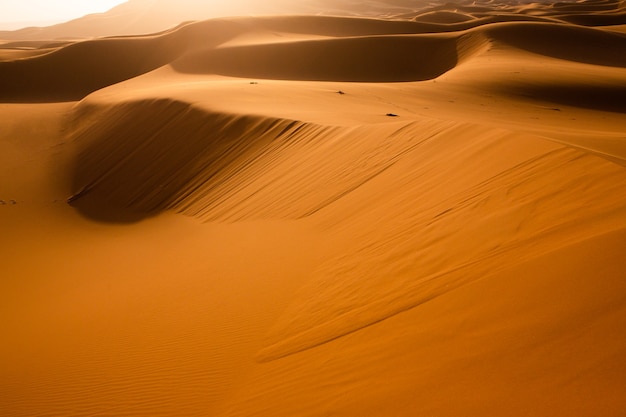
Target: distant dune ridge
(147,16)
(322,207)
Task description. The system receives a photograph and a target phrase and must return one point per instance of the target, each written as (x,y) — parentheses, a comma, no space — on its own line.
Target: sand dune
(395,210)
(379,57)
(139,17)
(569,43)
(100,63)
(444,16)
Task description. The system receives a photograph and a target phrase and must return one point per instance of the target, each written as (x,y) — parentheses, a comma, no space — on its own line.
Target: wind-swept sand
(405,212)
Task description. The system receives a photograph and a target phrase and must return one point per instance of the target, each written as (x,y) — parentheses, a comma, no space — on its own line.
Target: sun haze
(27,12)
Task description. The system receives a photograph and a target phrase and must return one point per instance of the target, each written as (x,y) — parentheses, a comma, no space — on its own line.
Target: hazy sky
(16,12)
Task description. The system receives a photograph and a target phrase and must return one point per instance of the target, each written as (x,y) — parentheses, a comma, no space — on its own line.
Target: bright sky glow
(14,13)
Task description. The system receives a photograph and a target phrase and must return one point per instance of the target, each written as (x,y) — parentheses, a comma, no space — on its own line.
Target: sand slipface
(331,208)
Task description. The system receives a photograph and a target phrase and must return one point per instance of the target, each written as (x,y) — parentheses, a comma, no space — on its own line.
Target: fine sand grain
(351,209)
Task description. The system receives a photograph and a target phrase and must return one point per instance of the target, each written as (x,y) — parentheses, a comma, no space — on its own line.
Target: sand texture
(315,208)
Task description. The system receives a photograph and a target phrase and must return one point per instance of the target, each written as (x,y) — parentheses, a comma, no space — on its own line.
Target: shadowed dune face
(140,158)
(367,59)
(565,42)
(596,97)
(74,71)
(137,159)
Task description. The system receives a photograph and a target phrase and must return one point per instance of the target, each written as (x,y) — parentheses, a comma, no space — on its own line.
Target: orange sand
(398,212)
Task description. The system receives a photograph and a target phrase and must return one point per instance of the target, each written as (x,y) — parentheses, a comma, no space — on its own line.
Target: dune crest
(367,44)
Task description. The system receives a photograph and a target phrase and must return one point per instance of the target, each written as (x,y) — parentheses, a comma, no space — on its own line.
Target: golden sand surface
(373,210)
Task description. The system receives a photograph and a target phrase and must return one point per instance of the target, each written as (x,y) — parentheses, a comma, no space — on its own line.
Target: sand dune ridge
(195,48)
(387,208)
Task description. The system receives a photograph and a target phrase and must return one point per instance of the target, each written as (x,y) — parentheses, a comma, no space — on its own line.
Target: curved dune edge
(99,63)
(378,59)
(141,141)
(235,168)
(569,43)
(444,16)
(366,50)
(141,17)
(232,167)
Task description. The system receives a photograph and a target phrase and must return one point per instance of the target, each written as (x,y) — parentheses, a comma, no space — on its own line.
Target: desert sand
(351,209)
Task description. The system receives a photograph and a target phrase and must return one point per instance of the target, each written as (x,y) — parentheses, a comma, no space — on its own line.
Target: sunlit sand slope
(411,211)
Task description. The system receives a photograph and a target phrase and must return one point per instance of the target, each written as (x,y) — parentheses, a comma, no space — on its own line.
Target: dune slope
(410,211)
